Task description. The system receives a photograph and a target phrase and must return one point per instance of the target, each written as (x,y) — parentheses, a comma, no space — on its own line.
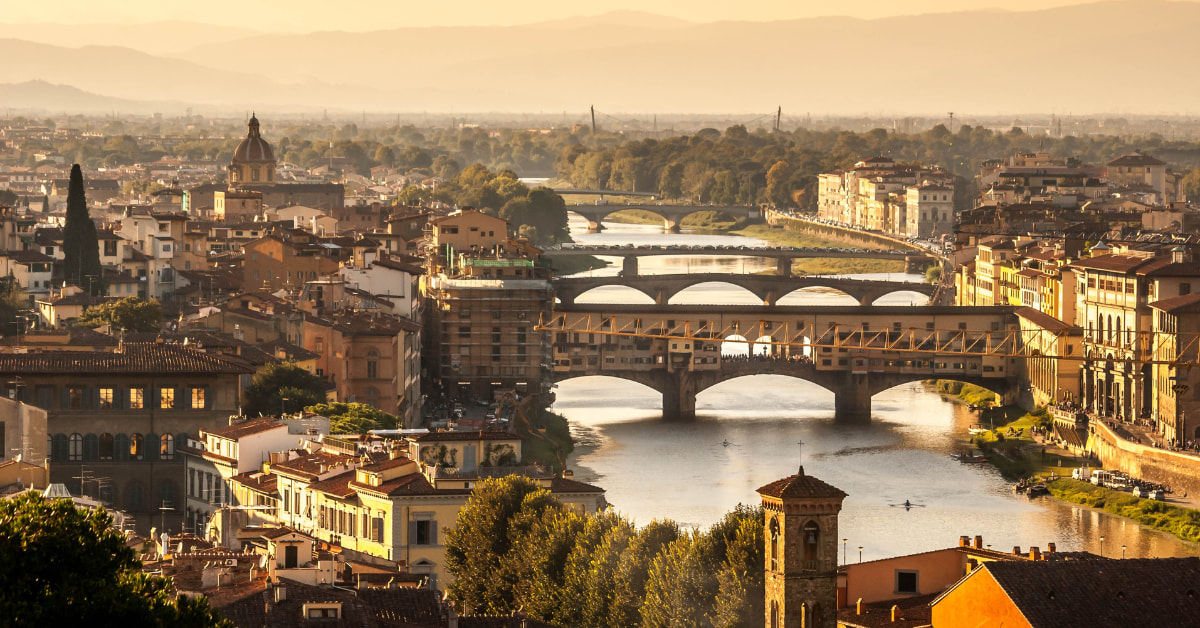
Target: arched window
(76,451)
(166,447)
(137,449)
(774,544)
(812,536)
(106,446)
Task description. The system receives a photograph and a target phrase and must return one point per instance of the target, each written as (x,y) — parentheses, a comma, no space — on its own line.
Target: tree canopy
(516,546)
(539,214)
(81,249)
(354,418)
(129,314)
(281,387)
(61,565)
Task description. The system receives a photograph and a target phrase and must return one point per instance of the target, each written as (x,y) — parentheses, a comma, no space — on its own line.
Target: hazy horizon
(292,16)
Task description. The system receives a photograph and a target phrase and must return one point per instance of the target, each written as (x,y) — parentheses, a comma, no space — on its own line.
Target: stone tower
(800,515)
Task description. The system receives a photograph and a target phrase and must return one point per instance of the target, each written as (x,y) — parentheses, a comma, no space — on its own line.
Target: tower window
(812,534)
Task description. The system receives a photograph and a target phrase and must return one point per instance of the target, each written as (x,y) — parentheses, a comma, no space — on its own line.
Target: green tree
(282,386)
(129,314)
(633,570)
(479,547)
(354,418)
(61,565)
(681,585)
(779,190)
(1191,185)
(933,274)
(81,249)
(13,302)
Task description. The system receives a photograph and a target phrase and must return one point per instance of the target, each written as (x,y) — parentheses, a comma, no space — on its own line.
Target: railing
(816,565)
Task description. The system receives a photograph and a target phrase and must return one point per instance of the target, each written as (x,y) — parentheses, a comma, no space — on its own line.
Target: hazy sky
(306,15)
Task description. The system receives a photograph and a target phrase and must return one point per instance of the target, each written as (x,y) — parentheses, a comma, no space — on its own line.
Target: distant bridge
(672,215)
(565,191)
(855,351)
(768,288)
(913,260)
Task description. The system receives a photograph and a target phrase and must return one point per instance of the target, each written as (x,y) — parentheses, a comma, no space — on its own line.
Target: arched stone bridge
(914,260)
(768,288)
(672,215)
(852,392)
(853,351)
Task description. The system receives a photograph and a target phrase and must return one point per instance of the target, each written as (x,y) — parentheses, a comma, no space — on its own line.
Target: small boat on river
(1037,490)
(977,428)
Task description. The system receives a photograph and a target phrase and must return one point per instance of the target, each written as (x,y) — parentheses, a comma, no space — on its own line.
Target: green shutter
(151,444)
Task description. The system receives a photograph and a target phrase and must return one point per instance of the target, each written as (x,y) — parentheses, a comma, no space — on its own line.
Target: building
(252,169)
(289,258)
(1139,170)
(1176,388)
(219,454)
(115,418)
(801,534)
(1140,593)
(879,195)
(23,443)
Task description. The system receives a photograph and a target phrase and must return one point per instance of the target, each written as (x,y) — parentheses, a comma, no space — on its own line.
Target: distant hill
(1133,55)
(40,95)
(154,37)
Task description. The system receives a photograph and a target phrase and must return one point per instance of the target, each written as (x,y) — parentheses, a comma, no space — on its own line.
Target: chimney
(978,542)
(964,541)
(1016,550)
(858,607)
(1035,553)
(1050,548)
(895,613)
(238,333)
(280,593)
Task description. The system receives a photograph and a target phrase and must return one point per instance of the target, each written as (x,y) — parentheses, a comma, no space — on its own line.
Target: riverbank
(1183,523)
(571,264)
(535,449)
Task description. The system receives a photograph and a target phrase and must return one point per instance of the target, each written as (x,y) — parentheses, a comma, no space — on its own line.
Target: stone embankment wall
(849,236)
(1179,471)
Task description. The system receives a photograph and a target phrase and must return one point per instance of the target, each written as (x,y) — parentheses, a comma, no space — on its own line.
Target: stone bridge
(672,215)
(768,288)
(913,260)
(853,351)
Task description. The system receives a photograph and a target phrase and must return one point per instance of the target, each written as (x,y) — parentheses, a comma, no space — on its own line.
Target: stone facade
(801,536)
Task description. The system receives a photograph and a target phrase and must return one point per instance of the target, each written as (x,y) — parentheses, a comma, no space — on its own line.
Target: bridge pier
(679,397)
(852,400)
(671,225)
(594,225)
(913,265)
(629,266)
(783,266)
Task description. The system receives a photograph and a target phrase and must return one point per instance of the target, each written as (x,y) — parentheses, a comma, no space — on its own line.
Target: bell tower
(800,515)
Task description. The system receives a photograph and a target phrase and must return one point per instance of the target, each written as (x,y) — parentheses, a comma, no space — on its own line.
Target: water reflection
(753,430)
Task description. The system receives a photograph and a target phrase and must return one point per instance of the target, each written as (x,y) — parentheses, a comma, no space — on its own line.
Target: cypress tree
(81,248)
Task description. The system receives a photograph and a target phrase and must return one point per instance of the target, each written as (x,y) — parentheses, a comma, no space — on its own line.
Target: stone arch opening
(817,295)
(735,346)
(714,293)
(902,297)
(615,294)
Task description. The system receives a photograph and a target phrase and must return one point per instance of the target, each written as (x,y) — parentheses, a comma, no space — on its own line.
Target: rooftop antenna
(593,119)
(779,119)
(951,121)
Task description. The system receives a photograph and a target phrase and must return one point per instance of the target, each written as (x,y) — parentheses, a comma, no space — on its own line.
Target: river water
(772,424)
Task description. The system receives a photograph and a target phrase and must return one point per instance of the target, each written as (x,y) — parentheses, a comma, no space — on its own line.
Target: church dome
(254,149)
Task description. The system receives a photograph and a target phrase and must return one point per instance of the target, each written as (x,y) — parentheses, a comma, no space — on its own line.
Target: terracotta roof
(1136,159)
(1186,304)
(437,437)
(140,359)
(274,533)
(411,484)
(1148,592)
(801,486)
(338,485)
(914,612)
(1045,321)
(1112,263)
(564,485)
(246,428)
(311,465)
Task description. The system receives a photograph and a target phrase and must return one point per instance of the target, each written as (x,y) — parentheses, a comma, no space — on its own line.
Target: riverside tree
(517,547)
(81,250)
(61,566)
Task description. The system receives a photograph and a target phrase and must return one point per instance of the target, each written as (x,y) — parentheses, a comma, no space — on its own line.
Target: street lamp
(844,550)
(1101,546)
(860,553)
(282,406)
(1122,552)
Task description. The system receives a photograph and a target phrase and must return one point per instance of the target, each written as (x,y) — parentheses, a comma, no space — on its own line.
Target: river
(771,424)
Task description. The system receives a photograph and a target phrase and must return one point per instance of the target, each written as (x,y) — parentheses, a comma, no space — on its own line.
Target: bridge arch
(895,297)
(827,295)
(614,293)
(692,293)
